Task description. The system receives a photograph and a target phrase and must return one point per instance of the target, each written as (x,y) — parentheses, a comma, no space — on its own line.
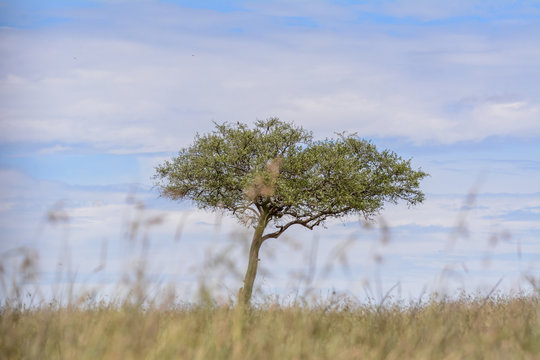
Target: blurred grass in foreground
(467,328)
(142,325)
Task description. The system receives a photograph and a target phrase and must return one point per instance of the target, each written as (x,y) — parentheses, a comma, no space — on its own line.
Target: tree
(276,175)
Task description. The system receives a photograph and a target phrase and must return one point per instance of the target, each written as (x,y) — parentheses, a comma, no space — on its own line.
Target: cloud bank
(152,74)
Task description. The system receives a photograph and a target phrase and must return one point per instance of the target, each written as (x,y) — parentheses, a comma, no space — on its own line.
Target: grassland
(133,327)
(467,328)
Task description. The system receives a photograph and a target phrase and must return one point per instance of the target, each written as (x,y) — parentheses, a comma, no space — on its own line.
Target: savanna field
(141,324)
(466,328)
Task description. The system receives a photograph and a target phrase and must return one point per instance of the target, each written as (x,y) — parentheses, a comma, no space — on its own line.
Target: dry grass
(133,327)
(502,328)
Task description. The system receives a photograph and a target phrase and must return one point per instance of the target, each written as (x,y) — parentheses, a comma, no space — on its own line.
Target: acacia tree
(275,175)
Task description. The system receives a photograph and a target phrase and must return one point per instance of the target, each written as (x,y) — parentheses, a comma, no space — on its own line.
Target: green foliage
(278,171)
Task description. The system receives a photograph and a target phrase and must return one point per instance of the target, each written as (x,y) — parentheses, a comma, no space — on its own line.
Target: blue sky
(94,94)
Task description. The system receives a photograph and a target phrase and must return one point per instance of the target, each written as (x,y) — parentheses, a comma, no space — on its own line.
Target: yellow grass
(502,328)
(497,327)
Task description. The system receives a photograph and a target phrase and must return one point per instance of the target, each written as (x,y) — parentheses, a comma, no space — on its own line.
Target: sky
(95,94)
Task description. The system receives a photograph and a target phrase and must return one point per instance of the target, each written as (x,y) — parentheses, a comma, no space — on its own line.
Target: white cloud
(54,149)
(146,92)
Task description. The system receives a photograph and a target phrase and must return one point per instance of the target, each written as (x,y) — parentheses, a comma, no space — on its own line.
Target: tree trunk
(253,263)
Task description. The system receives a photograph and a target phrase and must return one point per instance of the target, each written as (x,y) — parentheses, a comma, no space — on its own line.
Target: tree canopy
(276,174)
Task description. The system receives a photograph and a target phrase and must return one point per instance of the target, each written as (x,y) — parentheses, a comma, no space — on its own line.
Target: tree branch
(256,212)
(315,219)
